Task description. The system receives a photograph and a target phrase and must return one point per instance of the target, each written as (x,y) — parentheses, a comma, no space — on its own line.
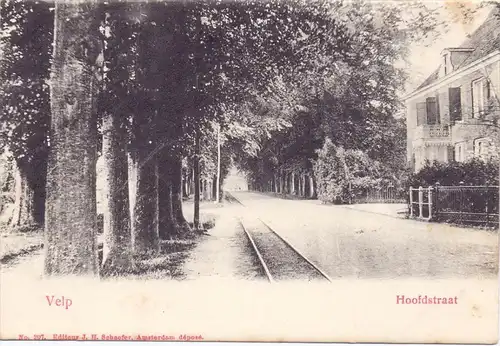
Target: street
(348,243)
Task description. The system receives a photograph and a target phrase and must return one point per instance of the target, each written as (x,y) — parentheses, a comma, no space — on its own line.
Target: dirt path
(225,252)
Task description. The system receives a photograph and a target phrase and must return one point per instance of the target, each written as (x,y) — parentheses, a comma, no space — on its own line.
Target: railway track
(280,260)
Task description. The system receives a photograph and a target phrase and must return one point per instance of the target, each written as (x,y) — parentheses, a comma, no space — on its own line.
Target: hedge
(474,172)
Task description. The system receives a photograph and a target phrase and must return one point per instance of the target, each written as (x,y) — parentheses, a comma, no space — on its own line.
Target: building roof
(484,41)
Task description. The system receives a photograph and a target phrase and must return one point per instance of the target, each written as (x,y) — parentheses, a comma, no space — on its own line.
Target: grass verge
(19,241)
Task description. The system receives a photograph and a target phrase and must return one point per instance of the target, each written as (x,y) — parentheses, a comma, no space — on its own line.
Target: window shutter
(486,94)
(455,104)
(486,90)
(432,113)
(438,113)
(476,90)
(421,113)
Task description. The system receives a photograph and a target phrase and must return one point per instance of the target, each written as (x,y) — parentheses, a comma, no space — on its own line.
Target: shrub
(474,172)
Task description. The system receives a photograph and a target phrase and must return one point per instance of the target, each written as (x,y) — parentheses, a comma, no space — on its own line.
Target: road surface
(348,243)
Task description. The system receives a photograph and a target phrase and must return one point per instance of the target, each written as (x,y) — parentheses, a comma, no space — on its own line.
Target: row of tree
(162,90)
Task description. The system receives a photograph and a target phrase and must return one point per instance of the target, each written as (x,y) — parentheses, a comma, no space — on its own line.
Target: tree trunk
(70,216)
(184,227)
(206,190)
(132,187)
(196,178)
(285,183)
(215,190)
(185,182)
(117,247)
(307,186)
(280,182)
(168,227)
(313,187)
(294,184)
(291,184)
(145,229)
(301,186)
(217,180)
(301,181)
(24,200)
(191,182)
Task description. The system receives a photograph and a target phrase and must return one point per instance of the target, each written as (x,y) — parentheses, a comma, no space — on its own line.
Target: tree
(70,224)
(25,38)
(342,84)
(120,38)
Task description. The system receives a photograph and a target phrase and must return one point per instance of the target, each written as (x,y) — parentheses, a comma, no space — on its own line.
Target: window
(481,148)
(450,154)
(428,112)
(460,152)
(455,104)
(432,108)
(445,65)
(480,96)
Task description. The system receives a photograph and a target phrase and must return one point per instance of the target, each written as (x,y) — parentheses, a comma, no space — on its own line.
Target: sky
(423,60)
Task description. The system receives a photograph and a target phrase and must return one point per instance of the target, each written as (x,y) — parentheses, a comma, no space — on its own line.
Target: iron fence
(383,195)
(457,204)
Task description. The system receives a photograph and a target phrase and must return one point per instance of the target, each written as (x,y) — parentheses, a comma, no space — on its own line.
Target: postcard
(239,170)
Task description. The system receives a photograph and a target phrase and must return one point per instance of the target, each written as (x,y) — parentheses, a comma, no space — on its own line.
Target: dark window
(486,90)
(432,107)
(451,153)
(421,113)
(455,104)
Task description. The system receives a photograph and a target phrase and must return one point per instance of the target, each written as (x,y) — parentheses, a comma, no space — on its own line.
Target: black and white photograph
(250,170)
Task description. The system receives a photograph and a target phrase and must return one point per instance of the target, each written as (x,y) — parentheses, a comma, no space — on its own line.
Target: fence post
(436,199)
(460,212)
(486,196)
(420,201)
(411,202)
(429,189)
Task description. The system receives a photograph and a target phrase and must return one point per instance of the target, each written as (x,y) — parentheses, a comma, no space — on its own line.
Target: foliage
(6,181)
(25,39)
(346,91)
(6,173)
(473,172)
(344,173)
